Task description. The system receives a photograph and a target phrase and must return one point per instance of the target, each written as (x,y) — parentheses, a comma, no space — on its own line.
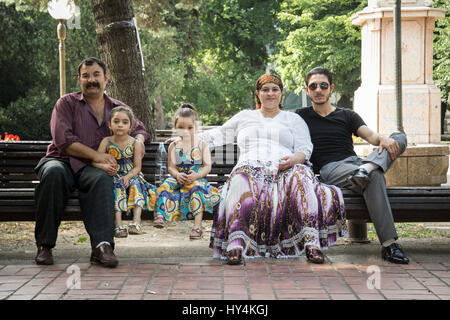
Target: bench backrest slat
(18,160)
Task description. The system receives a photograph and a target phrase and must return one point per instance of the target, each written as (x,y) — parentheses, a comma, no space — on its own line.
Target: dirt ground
(173,240)
(172,244)
(14,235)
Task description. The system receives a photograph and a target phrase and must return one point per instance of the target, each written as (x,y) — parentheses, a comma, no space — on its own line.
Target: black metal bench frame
(18,180)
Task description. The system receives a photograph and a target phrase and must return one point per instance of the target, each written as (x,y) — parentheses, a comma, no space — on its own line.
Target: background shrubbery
(208,53)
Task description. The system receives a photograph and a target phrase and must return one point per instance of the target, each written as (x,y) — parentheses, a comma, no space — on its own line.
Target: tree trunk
(160,122)
(119,49)
(345,102)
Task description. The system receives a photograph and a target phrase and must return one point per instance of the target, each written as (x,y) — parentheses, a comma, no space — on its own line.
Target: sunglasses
(323,85)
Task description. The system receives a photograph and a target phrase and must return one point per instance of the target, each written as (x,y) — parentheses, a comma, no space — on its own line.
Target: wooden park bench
(18,181)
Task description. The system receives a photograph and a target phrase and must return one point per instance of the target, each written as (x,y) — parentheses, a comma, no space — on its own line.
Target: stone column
(375,100)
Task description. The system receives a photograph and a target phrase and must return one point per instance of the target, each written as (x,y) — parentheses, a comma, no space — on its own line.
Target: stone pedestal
(425,161)
(421,165)
(375,100)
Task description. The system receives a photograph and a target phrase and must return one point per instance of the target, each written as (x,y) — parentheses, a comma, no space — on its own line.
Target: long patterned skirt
(177,202)
(271,214)
(139,193)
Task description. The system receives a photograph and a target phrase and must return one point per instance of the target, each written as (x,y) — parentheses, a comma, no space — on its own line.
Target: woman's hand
(289,161)
(285,163)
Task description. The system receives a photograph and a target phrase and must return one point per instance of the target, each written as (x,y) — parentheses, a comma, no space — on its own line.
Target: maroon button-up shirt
(73,120)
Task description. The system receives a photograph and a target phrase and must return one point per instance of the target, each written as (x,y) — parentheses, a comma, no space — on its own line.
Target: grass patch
(409,230)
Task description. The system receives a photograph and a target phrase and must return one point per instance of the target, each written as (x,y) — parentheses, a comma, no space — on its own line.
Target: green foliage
(170,34)
(29,115)
(219,88)
(164,68)
(82,239)
(208,53)
(409,230)
(441,47)
(238,37)
(176,18)
(241,29)
(17,72)
(319,34)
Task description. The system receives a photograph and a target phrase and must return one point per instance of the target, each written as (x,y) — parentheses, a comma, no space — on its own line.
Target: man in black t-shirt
(331,131)
(331,135)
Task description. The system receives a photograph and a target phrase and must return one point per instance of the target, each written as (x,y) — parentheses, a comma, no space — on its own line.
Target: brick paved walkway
(211,279)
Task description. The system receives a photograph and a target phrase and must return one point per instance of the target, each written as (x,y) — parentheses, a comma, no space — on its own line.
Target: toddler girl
(132,192)
(186,194)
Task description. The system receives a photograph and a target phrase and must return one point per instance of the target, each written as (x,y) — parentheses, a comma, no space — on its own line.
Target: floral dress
(139,193)
(176,201)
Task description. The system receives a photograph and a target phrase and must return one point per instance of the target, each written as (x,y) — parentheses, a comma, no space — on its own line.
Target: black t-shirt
(331,135)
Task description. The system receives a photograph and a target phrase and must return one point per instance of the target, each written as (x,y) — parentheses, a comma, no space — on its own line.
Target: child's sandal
(120,232)
(196,233)
(134,228)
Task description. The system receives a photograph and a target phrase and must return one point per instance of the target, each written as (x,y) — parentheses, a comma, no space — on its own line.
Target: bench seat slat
(18,177)
(6,170)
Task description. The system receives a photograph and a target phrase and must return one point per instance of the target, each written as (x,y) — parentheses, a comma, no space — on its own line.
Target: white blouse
(261,138)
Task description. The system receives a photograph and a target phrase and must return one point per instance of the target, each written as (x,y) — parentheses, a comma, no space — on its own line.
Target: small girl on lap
(132,192)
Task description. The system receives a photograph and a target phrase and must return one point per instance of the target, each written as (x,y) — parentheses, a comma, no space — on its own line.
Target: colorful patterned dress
(176,201)
(264,211)
(139,192)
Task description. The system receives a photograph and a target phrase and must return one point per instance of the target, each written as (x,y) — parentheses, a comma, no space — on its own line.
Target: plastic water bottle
(161,164)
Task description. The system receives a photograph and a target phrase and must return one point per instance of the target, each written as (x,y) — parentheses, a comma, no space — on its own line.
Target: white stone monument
(375,98)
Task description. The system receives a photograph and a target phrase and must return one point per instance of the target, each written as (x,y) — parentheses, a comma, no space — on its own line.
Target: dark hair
(319,70)
(89,62)
(124,109)
(186,111)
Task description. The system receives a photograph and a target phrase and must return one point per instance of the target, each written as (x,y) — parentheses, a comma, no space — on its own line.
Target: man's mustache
(92,84)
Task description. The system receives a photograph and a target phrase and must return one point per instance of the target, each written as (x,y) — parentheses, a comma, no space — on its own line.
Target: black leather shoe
(359,179)
(393,253)
(44,256)
(104,255)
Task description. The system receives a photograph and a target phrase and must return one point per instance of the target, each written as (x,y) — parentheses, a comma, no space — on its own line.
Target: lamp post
(398,63)
(61,10)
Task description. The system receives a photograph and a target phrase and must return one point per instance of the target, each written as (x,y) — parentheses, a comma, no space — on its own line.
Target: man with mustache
(78,124)
(331,130)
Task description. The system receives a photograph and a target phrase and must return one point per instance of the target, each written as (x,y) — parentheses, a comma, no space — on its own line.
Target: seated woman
(272,204)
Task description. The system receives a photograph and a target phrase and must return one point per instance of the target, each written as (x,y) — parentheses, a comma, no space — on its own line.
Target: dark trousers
(96,195)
